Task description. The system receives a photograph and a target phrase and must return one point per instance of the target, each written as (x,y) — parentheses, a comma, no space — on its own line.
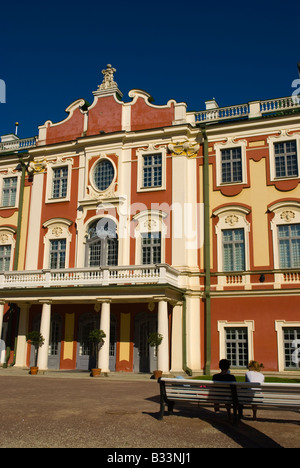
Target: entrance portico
(118,307)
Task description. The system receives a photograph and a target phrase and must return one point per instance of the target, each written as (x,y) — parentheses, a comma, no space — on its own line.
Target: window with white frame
(103,174)
(231,167)
(236,342)
(291,345)
(284,153)
(286,161)
(151,168)
(233,250)
(237,346)
(5,257)
(57,243)
(57,253)
(231,162)
(102,243)
(60,182)
(232,231)
(58,185)
(289,245)
(151,248)
(288,345)
(285,227)
(150,234)
(9,191)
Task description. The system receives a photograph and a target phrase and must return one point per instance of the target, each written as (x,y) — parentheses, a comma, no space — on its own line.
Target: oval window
(103,174)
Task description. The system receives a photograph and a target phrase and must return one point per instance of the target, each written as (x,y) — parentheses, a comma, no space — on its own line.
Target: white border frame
(49,183)
(284,136)
(61,225)
(149,221)
(141,152)
(230,143)
(249,324)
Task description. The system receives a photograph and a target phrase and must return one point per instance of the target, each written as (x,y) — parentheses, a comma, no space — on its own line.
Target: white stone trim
(283,136)
(286,212)
(7,238)
(149,221)
(57,164)
(141,152)
(222,324)
(58,228)
(279,326)
(230,143)
(232,217)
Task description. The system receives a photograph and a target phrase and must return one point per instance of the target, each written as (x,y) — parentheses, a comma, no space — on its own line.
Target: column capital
(45,301)
(160,299)
(101,300)
(2,301)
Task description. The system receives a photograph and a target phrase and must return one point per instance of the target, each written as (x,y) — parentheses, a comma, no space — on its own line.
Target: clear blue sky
(52,53)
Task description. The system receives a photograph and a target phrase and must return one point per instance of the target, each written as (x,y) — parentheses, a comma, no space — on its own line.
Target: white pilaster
(163,329)
(103,360)
(176,341)
(23,330)
(34,223)
(45,332)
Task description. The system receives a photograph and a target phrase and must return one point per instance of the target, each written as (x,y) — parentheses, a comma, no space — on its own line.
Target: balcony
(15,144)
(129,275)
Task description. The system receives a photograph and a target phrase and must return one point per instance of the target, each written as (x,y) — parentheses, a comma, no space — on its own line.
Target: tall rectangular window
(152,170)
(231,162)
(151,248)
(233,250)
(9,191)
(286,161)
(291,343)
(60,182)
(5,254)
(289,246)
(237,346)
(57,254)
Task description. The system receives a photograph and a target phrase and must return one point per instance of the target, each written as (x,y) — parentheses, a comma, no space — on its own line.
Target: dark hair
(224,364)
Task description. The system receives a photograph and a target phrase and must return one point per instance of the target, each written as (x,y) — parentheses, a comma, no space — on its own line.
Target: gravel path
(51,412)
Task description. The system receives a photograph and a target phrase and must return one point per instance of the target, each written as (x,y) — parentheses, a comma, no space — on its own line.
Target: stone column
(105,326)
(163,329)
(23,330)
(177,339)
(45,331)
(2,304)
(2,344)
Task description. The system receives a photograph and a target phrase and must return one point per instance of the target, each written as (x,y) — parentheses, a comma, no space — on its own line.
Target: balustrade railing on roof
(17,145)
(250,110)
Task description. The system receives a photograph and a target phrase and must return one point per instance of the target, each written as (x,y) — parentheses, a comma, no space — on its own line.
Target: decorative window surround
(9,174)
(284,136)
(58,228)
(279,328)
(7,238)
(58,163)
(149,221)
(230,143)
(141,152)
(285,212)
(93,190)
(223,324)
(232,217)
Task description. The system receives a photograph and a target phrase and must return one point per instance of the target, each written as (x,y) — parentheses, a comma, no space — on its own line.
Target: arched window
(102,243)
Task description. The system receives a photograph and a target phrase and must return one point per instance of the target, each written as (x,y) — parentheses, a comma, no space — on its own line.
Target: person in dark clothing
(224,376)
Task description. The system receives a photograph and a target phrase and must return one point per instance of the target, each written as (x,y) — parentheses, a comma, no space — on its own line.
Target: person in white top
(254,374)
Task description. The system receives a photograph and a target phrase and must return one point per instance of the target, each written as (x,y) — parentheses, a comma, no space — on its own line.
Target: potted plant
(35,339)
(154,341)
(96,338)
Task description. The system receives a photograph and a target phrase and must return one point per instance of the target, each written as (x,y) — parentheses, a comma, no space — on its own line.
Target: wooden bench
(235,394)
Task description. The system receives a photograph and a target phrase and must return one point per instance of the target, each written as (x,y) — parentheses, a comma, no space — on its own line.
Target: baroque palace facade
(135,218)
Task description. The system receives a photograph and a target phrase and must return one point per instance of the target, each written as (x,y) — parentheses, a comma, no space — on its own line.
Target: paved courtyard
(73,410)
